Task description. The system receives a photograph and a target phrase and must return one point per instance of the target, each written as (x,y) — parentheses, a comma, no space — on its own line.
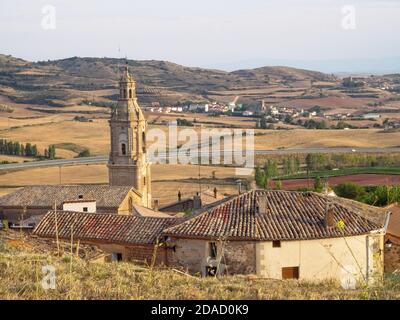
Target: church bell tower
(128,164)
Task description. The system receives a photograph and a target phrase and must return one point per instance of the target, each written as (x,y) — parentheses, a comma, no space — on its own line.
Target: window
(116,256)
(290,273)
(85,209)
(130,93)
(123,149)
(276,244)
(80,196)
(144,141)
(124,93)
(212,246)
(144,181)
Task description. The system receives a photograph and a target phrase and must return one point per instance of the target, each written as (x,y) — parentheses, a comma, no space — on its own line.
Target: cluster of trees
(291,165)
(373,195)
(50,153)
(318,161)
(84,153)
(16,148)
(184,122)
(263,175)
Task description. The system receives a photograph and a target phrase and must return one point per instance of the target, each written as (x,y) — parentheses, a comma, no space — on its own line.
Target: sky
(326,35)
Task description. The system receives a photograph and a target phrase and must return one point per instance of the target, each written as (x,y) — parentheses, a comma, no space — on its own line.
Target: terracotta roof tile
(103,227)
(45,196)
(284,215)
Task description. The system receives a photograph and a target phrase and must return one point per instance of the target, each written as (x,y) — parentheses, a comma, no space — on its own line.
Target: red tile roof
(103,227)
(288,216)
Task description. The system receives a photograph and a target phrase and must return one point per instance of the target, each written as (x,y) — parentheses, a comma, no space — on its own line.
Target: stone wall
(392,256)
(136,253)
(234,257)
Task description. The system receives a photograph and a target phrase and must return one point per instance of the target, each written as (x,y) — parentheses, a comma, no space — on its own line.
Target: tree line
(373,195)
(15,148)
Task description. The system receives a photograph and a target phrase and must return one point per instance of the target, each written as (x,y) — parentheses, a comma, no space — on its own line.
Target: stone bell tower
(128,164)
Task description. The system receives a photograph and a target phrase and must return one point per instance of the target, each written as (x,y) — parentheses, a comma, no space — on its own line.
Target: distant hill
(68,81)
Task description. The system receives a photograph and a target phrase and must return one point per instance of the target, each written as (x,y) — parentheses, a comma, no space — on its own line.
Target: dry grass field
(167,179)
(95,135)
(21,264)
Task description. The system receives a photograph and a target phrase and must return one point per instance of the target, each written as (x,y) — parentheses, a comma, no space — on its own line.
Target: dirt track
(361,179)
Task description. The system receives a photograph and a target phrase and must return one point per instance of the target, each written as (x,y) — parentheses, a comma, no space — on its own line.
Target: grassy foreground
(21,277)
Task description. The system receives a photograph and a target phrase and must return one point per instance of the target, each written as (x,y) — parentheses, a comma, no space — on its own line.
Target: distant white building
(88,206)
(371,116)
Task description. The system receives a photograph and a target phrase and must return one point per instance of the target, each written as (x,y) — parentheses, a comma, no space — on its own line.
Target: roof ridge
(206,209)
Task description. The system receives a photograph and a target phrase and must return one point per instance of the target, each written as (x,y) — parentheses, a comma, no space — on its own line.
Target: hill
(68,81)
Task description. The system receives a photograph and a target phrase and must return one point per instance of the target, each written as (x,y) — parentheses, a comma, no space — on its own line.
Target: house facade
(271,234)
(282,235)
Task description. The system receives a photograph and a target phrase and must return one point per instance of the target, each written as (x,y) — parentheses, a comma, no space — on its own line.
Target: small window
(290,273)
(144,181)
(85,209)
(276,244)
(115,256)
(130,93)
(80,196)
(123,149)
(212,246)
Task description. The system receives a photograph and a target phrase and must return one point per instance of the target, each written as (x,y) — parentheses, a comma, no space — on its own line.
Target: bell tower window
(124,93)
(130,93)
(123,149)
(144,141)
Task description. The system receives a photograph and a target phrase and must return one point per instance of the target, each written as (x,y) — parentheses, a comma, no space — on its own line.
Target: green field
(343,172)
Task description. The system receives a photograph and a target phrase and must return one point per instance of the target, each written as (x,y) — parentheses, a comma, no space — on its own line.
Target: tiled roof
(287,216)
(45,196)
(103,227)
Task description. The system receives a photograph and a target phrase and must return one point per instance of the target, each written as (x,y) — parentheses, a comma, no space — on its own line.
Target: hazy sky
(209,33)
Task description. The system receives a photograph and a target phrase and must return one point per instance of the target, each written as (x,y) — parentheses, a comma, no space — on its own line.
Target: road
(104,159)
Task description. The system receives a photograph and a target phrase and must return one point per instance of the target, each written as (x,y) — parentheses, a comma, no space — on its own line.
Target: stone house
(33,202)
(282,235)
(271,234)
(123,237)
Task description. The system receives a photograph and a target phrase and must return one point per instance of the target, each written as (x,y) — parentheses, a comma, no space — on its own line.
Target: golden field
(167,179)
(95,136)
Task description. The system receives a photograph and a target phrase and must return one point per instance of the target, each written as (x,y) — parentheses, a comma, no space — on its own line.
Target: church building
(128,164)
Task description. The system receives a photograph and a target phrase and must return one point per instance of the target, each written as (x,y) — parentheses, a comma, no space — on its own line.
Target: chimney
(156,204)
(215,193)
(196,201)
(179,196)
(329,210)
(240,187)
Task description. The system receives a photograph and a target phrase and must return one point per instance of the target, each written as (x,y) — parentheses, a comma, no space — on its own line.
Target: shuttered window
(290,273)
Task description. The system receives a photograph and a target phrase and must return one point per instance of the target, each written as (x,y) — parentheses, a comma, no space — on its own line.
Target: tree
(86,153)
(349,190)
(271,171)
(318,185)
(260,177)
(52,152)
